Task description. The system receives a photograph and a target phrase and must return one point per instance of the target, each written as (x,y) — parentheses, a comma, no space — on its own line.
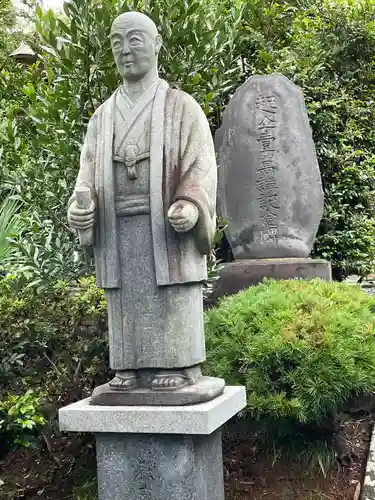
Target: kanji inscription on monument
(268,193)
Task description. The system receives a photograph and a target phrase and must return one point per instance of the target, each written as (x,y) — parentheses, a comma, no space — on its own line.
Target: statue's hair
(136,20)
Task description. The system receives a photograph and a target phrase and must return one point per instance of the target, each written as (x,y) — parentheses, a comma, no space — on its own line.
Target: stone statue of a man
(145,198)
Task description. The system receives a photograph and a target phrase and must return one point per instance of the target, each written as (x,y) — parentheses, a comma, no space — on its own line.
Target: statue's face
(135,51)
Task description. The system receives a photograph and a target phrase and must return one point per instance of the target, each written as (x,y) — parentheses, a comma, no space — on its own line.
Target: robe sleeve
(198,171)
(86,174)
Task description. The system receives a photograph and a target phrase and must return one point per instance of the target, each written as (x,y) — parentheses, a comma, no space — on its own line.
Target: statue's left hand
(183,215)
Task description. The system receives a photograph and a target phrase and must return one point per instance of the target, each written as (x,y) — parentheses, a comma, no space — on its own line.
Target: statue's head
(135,45)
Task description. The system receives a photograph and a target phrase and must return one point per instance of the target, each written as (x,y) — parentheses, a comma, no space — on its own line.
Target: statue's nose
(126,48)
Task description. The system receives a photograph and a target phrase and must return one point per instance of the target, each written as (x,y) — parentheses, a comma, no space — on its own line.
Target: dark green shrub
(302,349)
(53,351)
(54,342)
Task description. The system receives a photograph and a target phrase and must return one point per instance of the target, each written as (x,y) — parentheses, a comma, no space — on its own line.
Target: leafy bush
(302,349)
(54,341)
(20,418)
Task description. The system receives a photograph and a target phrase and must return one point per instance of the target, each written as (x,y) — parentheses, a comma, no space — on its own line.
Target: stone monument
(145,200)
(270,189)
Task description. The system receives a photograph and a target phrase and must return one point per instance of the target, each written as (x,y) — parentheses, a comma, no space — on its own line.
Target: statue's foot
(169,381)
(123,381)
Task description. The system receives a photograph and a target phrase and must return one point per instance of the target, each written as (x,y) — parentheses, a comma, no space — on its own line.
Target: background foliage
(326,48)
(210,47)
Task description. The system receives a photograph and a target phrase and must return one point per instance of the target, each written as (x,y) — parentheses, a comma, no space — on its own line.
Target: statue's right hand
(81,218)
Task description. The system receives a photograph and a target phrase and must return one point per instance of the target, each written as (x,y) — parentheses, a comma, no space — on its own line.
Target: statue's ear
(158,43)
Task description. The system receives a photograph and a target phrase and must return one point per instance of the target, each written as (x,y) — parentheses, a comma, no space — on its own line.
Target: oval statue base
(205,389)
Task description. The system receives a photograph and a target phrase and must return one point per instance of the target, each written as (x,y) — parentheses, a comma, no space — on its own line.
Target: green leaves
(20,419)
(11,225)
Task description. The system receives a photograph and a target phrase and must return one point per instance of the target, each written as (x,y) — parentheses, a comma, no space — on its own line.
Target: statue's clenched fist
(81,218)
(183,215)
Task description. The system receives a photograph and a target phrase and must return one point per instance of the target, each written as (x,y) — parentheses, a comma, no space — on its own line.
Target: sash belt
(135,204)
(137,159)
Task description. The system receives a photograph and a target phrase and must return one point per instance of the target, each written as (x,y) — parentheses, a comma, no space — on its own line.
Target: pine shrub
(302,349)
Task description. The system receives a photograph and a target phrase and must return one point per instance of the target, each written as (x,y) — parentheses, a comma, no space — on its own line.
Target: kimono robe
(138,159)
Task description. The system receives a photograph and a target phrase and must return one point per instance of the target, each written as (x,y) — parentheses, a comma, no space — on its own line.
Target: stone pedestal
(241,274)
(157,453)
(149,466)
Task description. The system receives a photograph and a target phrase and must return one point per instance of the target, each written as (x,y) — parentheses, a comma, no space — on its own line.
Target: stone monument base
(158,452)
(205,389)
(241,274)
